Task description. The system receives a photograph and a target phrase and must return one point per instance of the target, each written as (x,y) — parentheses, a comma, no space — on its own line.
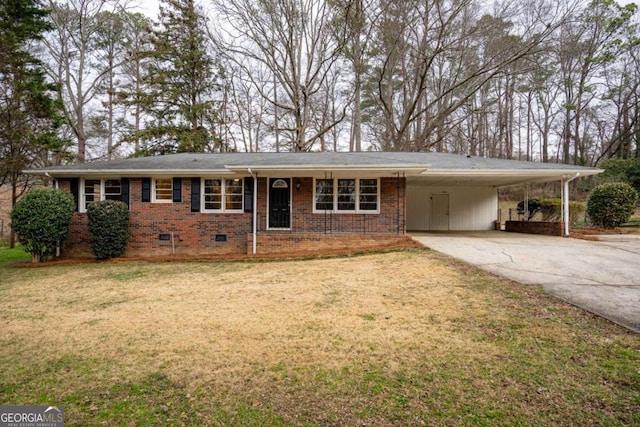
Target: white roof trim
(512,172)
(229,170)
(386,168)
(131,172)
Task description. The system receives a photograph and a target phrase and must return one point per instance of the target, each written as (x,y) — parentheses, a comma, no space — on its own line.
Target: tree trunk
(14,200)
(356,129)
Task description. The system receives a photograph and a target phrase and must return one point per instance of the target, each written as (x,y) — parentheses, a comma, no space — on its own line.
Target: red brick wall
(194,233)
(320,243)
(5,209)
(535,227)
(390,220)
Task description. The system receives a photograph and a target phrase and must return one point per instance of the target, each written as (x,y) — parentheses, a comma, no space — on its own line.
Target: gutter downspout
(255,211)
(565,203)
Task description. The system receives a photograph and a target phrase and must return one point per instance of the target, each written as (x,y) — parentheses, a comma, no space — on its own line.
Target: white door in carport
(439,212)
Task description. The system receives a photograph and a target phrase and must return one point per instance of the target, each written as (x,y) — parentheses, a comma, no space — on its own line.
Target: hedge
(42,220)
(551,210)
(611,204)
(109,228)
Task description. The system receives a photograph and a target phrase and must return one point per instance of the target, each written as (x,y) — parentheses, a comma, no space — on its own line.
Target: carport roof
(421,168)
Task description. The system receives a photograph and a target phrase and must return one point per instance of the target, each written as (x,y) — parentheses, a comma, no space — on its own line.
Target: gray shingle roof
(319,161)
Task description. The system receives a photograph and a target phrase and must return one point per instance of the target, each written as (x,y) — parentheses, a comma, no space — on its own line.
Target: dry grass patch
(397,338)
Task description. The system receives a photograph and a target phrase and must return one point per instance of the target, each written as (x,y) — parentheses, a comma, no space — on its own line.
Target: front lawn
(402,338)
(12,254)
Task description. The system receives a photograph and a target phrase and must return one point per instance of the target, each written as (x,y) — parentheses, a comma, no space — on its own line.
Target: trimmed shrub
(42,220)
(109,228)
(551,210)
(533,205)
(611,204)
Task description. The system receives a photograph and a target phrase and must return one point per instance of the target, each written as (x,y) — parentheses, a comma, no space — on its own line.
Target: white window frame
(223,194)
(154,199)
(357,209)
(101,195)
(359,194)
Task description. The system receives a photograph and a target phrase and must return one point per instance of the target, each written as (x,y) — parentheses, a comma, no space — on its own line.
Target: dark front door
(279,203)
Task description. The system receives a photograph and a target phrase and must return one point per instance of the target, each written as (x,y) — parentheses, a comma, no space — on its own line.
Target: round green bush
(109,228)
(42,220)
(611,204)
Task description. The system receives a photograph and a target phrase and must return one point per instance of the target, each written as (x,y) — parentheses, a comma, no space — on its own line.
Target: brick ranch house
(258,203)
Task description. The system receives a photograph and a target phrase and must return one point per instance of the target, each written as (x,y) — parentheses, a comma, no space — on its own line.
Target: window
(368,195)
(324,195)
(233,194)
(212,194)
(162,190)
(94,190)
(112,189)
(346,195)
(222,195)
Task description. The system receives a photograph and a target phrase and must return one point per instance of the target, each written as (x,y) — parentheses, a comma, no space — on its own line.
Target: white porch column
(254,244)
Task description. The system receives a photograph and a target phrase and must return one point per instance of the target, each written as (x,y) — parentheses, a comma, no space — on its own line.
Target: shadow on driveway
(602,277)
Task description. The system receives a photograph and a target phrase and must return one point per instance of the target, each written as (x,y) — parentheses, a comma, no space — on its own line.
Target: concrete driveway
(602,277)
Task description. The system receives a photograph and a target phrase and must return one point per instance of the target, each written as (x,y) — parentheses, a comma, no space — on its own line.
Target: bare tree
(618,126)
(357,19)
(112,53)
(586,45)
(133,72)
(74,64)
(294,44)
(433,57)
(246,111)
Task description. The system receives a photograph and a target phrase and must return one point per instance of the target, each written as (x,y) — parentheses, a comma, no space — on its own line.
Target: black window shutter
(248,194)
(74,186)
(177,190)
(124,191)
(146,189)
(195,194)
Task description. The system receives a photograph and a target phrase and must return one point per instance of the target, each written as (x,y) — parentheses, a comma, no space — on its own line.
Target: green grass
(16,254)
(515,357)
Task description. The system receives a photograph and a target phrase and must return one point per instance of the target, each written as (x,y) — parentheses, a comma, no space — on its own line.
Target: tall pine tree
(181,102)
(29,115)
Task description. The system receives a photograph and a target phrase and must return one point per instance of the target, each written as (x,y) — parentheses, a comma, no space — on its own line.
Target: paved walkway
(602,277)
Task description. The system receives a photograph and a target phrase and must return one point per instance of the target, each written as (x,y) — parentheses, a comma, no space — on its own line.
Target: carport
(458,193)
(598,276)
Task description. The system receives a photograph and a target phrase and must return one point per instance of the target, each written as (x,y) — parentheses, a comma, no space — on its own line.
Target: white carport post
(565,201)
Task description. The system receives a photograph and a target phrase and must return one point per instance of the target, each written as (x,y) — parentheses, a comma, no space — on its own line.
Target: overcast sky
(148,7)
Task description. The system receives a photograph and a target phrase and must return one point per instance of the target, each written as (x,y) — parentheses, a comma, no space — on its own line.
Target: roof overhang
(242,170)
(496,178)
(333,170)
(419,168)
(131,173)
